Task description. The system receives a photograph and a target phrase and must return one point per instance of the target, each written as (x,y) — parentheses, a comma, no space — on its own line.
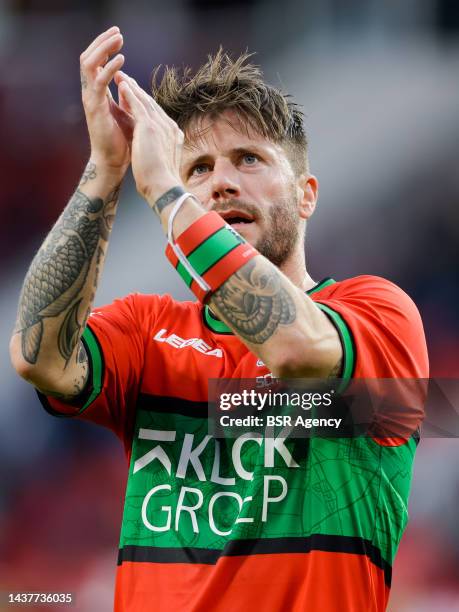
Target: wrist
(100,181)
(156,192)
(103,168)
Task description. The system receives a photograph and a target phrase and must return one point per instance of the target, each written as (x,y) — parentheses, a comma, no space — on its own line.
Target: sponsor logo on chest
(197,344)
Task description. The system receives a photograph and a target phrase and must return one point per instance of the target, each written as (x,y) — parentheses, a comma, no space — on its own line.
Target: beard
(282,232)
(281,226)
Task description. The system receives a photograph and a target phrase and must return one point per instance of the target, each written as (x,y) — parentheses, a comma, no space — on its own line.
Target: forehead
(211,135)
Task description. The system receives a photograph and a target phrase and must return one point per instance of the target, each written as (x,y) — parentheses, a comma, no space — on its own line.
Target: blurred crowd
(379,86)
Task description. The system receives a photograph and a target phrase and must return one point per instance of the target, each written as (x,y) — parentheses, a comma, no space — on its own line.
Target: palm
(108,138)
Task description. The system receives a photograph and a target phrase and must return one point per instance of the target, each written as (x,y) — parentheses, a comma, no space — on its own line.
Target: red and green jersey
(239,524)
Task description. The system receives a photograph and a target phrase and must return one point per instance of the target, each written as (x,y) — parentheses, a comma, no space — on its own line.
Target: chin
(247,231)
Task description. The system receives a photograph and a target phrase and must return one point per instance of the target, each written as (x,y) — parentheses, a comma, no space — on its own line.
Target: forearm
(278,322)
(275,319)
(60,284)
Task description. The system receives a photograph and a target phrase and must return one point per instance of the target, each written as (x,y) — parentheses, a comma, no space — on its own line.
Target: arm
(278,322)
(59,287)
(269,313)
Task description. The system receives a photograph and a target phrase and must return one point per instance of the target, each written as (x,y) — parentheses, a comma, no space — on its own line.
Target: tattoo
(108,215)
(59,272)
(254,302)
(337,370)
(79,383)
(81,355)
(84,80)
(89,173)
(167,198)
(69,333)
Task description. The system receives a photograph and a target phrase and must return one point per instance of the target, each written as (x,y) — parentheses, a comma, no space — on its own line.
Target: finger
(134,85)
(152,104)
(105,74)
(122,118)
(96,42)
(122,104)
(133,104)
(99,56)
(143,98)
(120,76)
(168,120)
(162,112)
(119,105)
(152,108)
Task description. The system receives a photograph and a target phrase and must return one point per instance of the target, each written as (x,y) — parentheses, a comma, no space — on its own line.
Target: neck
(295,270)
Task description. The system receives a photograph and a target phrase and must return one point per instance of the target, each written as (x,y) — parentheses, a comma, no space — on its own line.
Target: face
(248,180)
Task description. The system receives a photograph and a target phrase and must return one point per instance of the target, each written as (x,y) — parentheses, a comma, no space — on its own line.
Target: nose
(225,184)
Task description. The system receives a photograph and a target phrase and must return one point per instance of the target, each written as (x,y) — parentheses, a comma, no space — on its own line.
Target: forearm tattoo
(88,174)
(78,383)
(254,303)
(60,271)
(167,198)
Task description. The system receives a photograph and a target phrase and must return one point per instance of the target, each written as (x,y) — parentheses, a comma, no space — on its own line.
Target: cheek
(268,185)
(277,191)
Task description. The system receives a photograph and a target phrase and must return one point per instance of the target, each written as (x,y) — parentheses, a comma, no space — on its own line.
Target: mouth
(236,217)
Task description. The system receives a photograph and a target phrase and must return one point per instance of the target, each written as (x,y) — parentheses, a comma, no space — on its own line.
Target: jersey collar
(219,327)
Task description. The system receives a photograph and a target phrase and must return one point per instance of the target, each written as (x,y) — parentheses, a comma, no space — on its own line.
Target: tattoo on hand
(59,272)
(254,303)
(84,80)
(167,198)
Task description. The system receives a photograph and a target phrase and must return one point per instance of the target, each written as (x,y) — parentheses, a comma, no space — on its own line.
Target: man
(211,524)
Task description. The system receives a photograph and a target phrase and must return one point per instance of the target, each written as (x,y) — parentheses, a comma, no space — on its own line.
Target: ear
(308,192)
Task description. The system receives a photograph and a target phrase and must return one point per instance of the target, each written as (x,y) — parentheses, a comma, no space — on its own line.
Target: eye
(250,159)
(199,169)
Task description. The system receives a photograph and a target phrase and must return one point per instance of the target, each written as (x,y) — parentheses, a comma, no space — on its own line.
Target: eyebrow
(206,157)
(198,160)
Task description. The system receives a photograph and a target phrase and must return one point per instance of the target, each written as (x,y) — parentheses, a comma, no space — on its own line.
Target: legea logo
(197,344)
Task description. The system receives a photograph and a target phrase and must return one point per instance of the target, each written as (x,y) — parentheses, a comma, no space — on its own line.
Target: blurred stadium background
(380,88)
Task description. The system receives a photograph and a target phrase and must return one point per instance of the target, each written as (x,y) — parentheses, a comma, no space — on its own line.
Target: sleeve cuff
(93,385)
(347,343)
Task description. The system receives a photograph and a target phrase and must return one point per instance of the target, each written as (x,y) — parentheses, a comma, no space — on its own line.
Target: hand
(108,123)
(157,141)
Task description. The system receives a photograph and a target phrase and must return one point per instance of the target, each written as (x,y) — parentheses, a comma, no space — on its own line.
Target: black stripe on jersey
(260,546)
(172,405)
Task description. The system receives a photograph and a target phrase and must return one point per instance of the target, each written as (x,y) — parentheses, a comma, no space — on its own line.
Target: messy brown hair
(225,84)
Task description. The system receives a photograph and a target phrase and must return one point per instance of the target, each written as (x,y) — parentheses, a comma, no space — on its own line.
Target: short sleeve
(114,339)
(380,328)
(383,338)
